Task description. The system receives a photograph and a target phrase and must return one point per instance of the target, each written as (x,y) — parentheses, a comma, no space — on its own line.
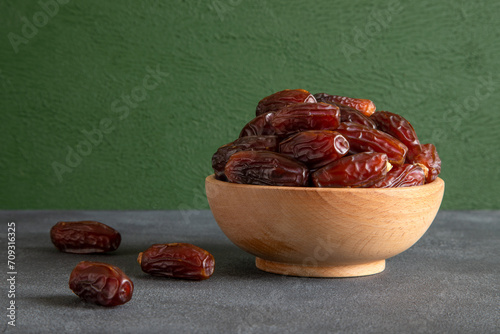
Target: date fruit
(354,171)
(347,114)
(352,115)
(299,139)
(259,126)
(177,260)
(397,126)
(406,175)
(305,116)
(428,158)
(294,118)
(365,139)
(101,283)
(250,143)
(266,168)
(279,100)
(315,148)
(84,237)
(366,107)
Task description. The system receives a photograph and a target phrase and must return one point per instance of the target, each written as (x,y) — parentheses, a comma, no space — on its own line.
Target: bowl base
(352,270)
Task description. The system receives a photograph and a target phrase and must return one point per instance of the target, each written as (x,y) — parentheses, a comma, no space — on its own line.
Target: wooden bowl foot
(353,270)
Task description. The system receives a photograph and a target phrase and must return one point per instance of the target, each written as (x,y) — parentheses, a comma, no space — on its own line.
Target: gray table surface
(446,283)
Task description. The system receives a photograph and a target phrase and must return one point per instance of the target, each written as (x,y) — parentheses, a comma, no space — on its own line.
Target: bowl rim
(438,182)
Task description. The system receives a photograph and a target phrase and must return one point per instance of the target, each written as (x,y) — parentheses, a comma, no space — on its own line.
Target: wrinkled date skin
(315,148)
(397,126)
(177,260)
(428,158)
(305,116)
(259,126)
(84,237)
(347,114)
(266,168)
(318,135)
(279,100)
(406,175)
(352,115)
(365,139)
(250,143)
(101,283)
(366,107)
(354,171)
(294,118)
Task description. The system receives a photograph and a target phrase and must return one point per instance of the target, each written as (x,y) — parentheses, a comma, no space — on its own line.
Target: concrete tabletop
(448,282)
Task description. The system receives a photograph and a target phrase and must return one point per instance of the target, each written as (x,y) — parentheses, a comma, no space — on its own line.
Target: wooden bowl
(323,232)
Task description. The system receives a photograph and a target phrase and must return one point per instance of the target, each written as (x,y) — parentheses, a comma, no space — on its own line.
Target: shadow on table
(66,300)
(229,259)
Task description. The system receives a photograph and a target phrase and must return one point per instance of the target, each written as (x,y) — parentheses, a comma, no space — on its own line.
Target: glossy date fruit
(406,175)
(398,127)
(84,237)
(177,260)
(101,283)
(294,118)
(365,139)
(347,114)
(354,171)
(266,168)
(279,100)
(366,107)
(352,115)
(303,127)
(305,116)
(315,148)
(250,143)
(259,126)
(426,156)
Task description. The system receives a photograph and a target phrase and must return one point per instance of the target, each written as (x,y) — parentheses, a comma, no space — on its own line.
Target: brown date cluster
(107,285)
(299,139)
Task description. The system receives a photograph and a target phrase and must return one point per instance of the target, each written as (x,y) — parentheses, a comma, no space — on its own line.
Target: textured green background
(436,63)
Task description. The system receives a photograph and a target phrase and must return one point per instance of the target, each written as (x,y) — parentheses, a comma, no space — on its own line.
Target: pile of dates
(298,139)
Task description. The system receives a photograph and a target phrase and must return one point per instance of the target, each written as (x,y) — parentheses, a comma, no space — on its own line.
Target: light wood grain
(348,270)
(323,232)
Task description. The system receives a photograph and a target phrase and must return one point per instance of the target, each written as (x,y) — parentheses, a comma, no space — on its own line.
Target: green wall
(84,72)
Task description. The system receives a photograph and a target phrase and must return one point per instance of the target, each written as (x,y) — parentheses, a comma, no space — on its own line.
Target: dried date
(398,127)
(177,260)
(250,143)
(302,125)
(101,283)
(279,100)
(84,237)
(366,107)
(365,139)
(324,97)
(266,168)
(347,114)
(406,175)
(426,156)
(259,126)
(315,148)
(305,116)
(354,171)
(294,118)
(352,115)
